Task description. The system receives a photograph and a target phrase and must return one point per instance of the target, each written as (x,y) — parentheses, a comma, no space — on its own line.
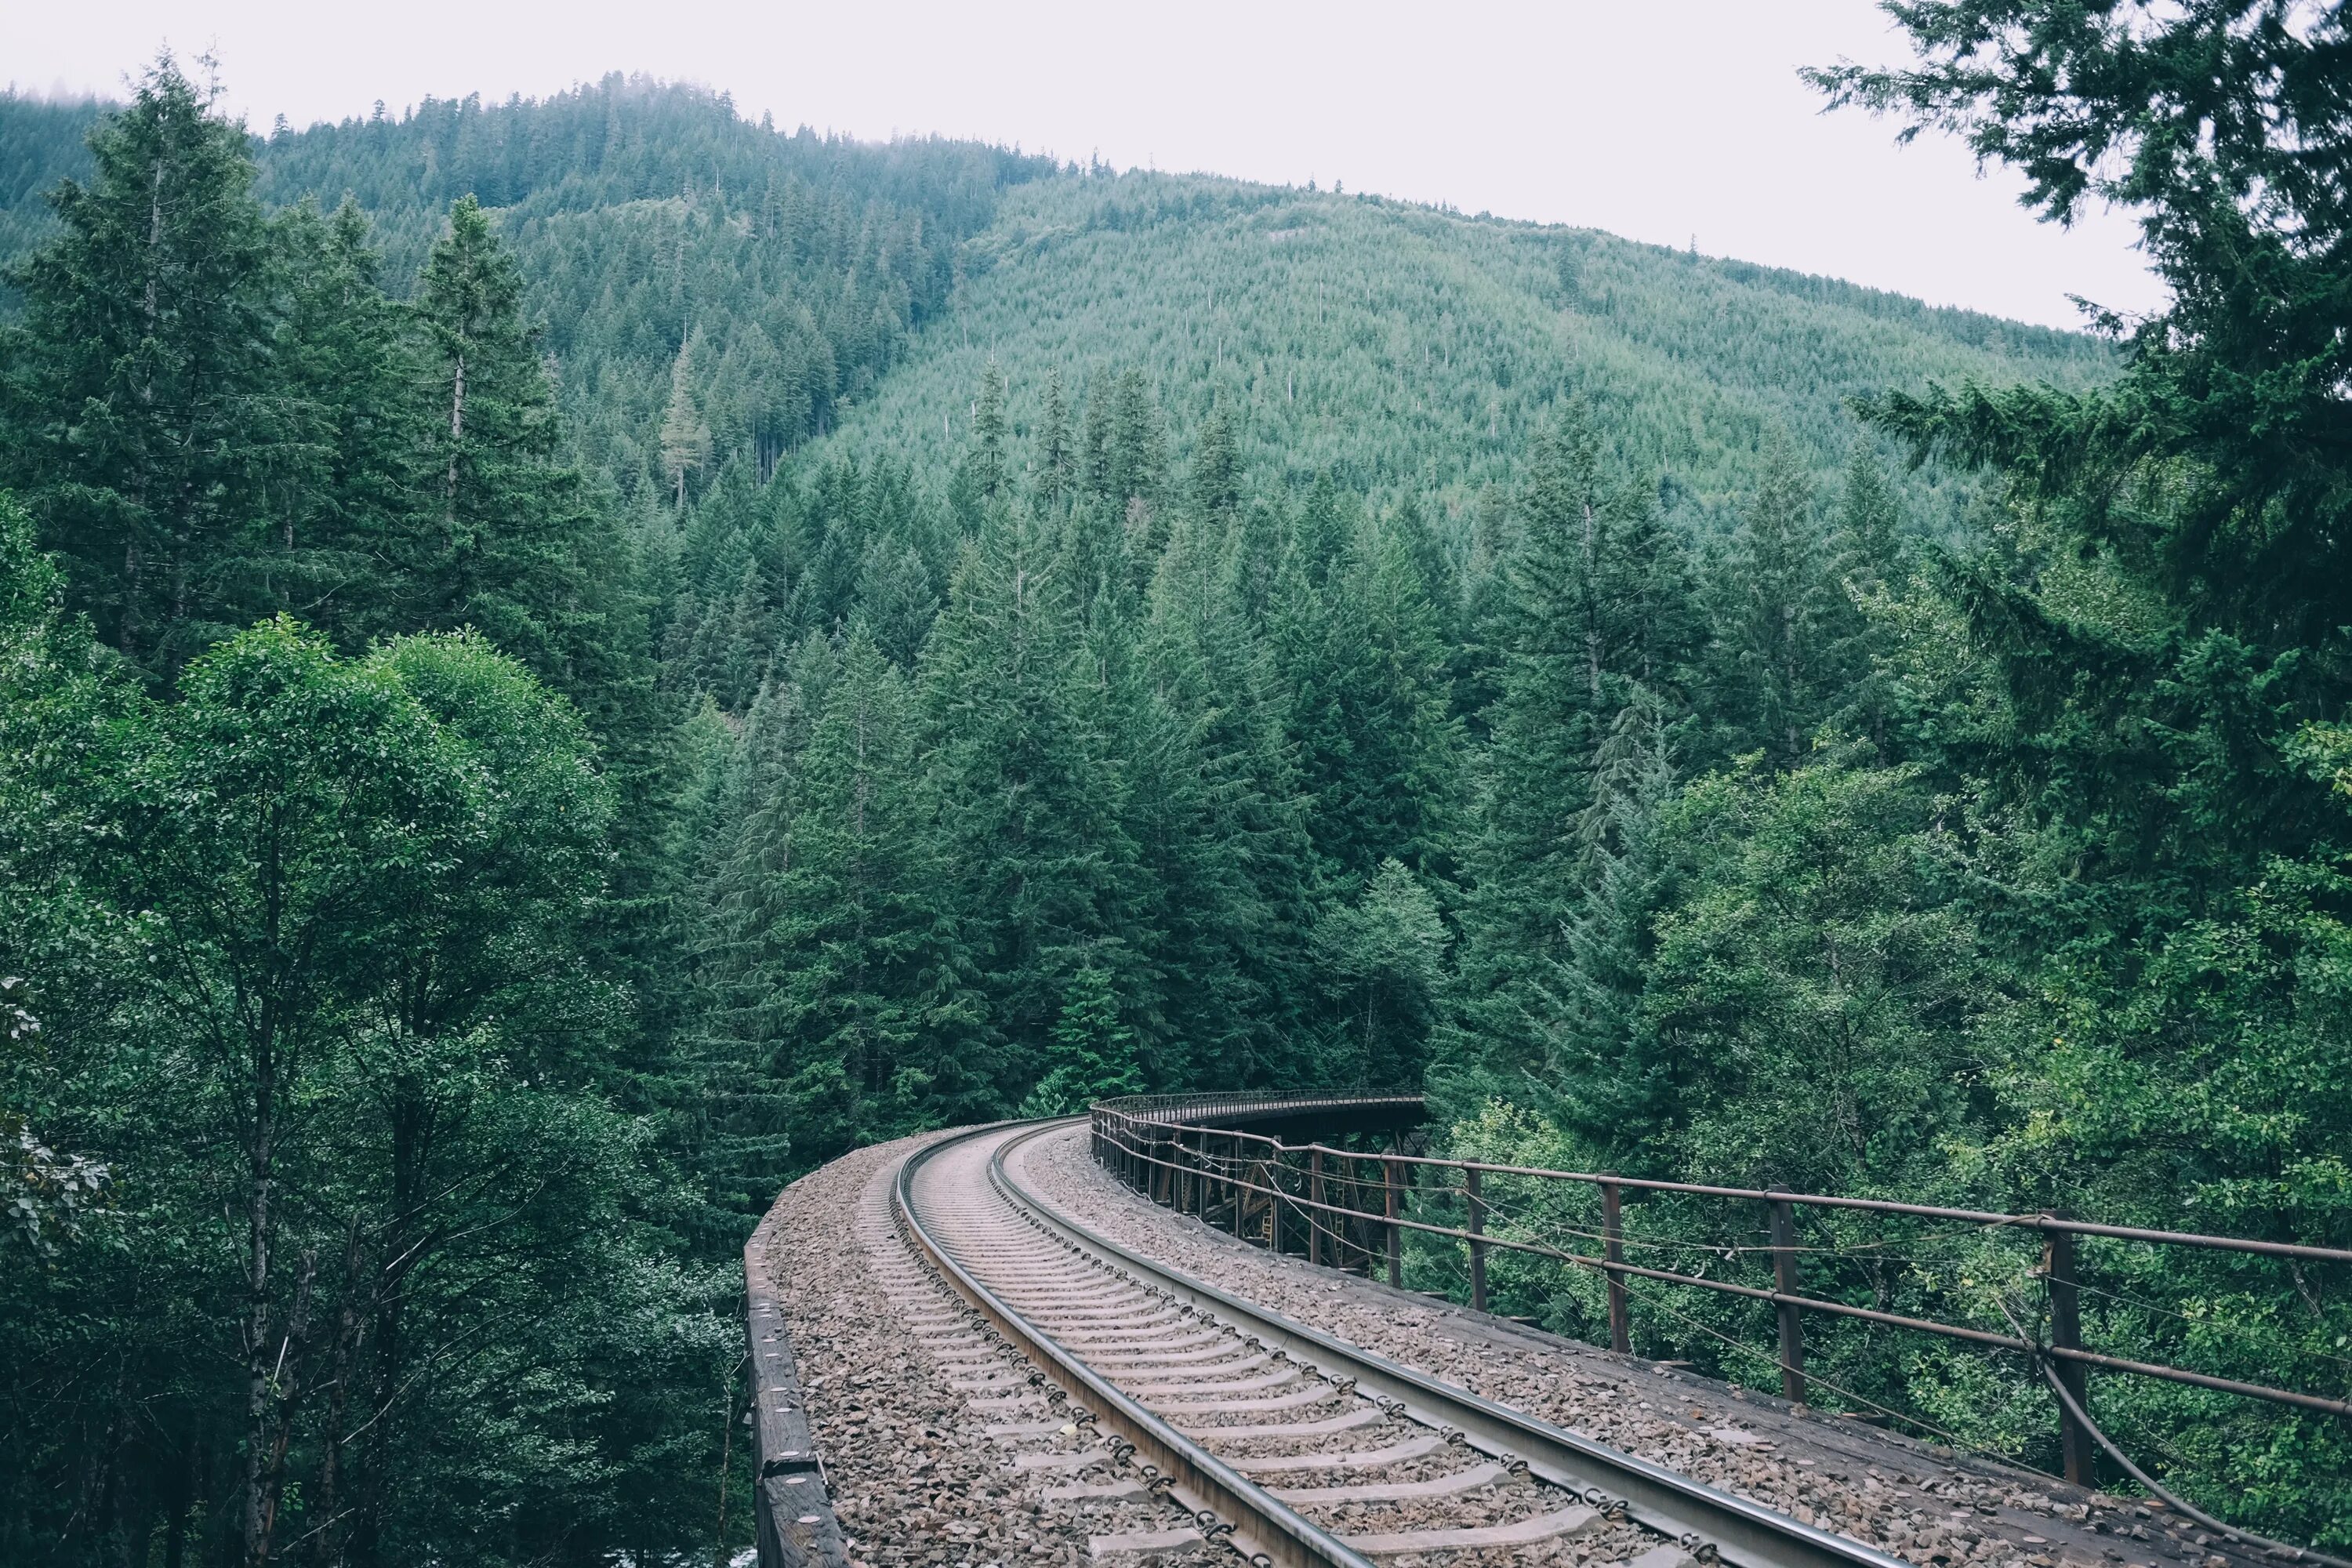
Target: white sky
(1658,120)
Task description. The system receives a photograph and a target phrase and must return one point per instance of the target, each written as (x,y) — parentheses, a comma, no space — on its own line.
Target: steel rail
(1263,1528)
(1744,1534)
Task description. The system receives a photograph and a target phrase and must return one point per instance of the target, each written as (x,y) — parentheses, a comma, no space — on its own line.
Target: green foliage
(1387,951)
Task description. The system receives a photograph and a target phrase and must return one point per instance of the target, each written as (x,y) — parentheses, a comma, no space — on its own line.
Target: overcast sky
(1666,122)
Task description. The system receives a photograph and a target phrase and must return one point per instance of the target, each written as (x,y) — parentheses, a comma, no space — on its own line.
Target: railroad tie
(1467,1481)
(1521,1532)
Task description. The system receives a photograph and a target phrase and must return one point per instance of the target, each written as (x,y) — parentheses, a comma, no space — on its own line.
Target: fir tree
(141,389)
(1057,452)
(1780,609)
(1031,804)
(498,551)
(1370,708)
(340,513)
(1599,1060)
(1221,823)
(1216,475)
(684,436)
(1094,1051)
(1387,951)
(989,457)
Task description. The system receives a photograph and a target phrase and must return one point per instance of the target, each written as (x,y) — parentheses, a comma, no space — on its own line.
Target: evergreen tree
(1221,823)
(1534,778)
(685,437)
(341,510)
(1387,951)
(145,419)
(1095,1053)
(1601,1063)
(1780,614)
(1057,452)
(895,599)
(853,972)
(1868,564)
(1031,806)
(498,551)
(1216,475)
(1369,708)
(988,457)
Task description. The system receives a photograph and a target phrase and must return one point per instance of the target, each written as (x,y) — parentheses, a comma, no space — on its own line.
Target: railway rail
(1283,1442)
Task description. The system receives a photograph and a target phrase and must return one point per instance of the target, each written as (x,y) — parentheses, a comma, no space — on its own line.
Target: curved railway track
(1290,1445)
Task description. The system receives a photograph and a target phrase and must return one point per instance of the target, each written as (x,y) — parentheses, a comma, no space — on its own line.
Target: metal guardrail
(1199,1154)
(790,1502)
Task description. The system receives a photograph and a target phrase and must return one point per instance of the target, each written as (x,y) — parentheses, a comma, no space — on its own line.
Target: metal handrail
(1159,1132)
(2043,1222)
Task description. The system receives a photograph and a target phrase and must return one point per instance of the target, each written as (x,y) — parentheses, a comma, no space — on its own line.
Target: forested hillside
(1404,350)
(642,651)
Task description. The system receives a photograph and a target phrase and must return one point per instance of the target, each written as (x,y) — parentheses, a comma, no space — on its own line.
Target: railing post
(1477,1228)
(2066,1333)
(1274,1167)
(1396,1233)
(1316,1219)
(1784,1281)
(1613,1251)
(1240,1168)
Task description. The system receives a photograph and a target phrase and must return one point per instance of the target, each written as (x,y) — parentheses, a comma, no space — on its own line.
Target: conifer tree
(1136,458)
(140,391)
(866,1003)
(1216,471)
(1094,1051)
(1867,565)
(1326,529)
(497,550)
(340,512)
(1534,776)
(685,434)
(1370,708)
(1592,610)
(1030,804)
(1221,823)
(1600,1062)
(1778,609)
(1094,442)
(988,457)
(1058,451)
(1387,950)
(895,599)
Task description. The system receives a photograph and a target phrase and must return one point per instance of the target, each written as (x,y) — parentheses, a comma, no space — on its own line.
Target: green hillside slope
(1398,347)
(1404,347)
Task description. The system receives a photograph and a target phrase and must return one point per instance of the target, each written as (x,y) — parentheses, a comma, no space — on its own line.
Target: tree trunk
(457,434)
(339,1401)
(287,1375)
(258,1359)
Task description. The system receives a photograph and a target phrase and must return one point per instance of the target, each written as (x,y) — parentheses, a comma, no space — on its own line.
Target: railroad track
(1293,1447)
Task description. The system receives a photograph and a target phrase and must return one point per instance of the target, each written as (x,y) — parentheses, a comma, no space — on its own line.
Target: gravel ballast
(937,1449)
